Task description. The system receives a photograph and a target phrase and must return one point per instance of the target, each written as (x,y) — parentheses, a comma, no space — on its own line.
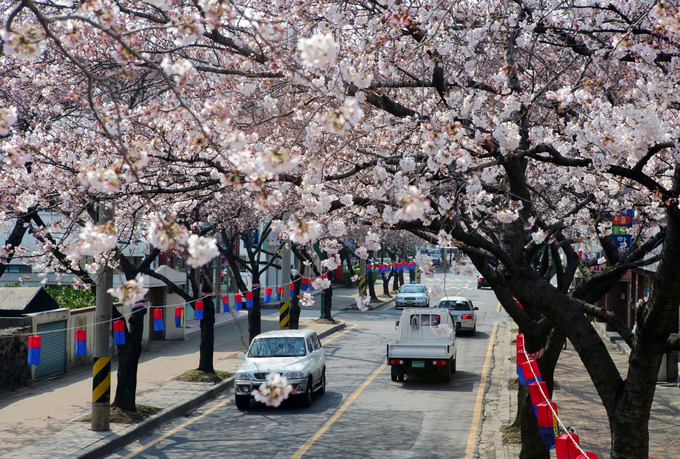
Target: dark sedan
(482,283)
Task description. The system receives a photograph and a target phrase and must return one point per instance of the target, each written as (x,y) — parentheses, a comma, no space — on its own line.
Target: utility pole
(101,369)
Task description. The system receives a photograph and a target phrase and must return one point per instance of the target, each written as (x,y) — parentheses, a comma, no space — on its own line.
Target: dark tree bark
(294,322)
(386,283)
(371,287)
(128,360)
(15,238)
(328,302)
(254,313)
(411,275)
(207,346)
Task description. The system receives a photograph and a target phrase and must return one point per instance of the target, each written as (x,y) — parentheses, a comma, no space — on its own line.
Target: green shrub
(68,297)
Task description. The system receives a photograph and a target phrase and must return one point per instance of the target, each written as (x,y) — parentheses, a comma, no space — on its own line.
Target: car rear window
(456,305)
(277,347)
(425,320)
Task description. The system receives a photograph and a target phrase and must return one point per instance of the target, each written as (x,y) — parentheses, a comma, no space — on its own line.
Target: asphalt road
(363,413)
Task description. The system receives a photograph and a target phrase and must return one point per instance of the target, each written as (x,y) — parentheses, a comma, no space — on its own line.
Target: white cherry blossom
(274,390)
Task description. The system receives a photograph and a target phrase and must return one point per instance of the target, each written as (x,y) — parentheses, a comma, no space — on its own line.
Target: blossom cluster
(321,283)
(424,261)
(131,291)
(8,116)
(363,302)
(319,50)
(201,250)
(442,330)
(274,390)
(95,240)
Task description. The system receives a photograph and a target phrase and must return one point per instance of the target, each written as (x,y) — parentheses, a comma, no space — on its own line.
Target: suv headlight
(294,375)
(244,377)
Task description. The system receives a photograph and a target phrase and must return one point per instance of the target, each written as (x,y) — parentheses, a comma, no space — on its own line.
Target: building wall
(14,370)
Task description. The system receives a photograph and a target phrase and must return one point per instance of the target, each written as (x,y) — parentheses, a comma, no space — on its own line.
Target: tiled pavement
(577,402)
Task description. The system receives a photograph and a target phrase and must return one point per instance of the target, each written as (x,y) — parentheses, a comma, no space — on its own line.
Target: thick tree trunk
(328,303)
(395,281)
(411,275)
(207,346)
(371,287)
(128,360)
(386,284)
(532,444)
(401,278)
(254,313)
(294,322)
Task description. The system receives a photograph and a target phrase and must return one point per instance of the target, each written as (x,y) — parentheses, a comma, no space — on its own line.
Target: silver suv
(295,354)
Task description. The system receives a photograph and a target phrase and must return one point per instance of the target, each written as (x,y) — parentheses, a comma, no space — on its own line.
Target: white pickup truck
(426,343)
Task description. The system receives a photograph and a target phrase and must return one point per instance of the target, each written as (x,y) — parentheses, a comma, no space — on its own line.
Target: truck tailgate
(420,350)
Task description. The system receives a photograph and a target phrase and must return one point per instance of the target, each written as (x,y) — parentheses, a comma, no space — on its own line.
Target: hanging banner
(34,350)
(119,332)
(157,320)
(81,342)
(179,316)
(198,310)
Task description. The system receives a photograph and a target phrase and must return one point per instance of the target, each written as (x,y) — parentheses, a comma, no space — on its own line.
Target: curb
(371,307)
(172,412)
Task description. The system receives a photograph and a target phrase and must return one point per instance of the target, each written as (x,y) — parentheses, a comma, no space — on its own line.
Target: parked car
(412,295)
(482,283)
(462,312)
(295,354)
(420,347)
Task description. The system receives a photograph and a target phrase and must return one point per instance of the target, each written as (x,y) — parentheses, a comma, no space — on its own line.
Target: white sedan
(462,312)
(295,354)
(412,295)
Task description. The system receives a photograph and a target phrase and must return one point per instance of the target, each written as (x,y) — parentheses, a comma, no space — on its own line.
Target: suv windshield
(412,289)
(455,305)
(277,347)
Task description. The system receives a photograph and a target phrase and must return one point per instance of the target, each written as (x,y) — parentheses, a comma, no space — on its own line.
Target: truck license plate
(418,364)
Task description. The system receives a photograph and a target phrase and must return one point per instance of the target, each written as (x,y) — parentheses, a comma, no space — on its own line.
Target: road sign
(624,220)
(593,256)
(619,230)
(622,241)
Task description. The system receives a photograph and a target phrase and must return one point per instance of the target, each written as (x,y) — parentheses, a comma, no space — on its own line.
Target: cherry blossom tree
(496,127)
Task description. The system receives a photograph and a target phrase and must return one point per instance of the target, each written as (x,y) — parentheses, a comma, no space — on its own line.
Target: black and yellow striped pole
(362,276)
(284,308)
(101,381)
(101,369)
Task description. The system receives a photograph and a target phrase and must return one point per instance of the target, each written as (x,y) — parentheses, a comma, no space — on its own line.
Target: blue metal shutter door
(52,349)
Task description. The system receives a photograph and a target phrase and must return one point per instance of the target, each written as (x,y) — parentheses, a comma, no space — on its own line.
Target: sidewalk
(40,421)
(578,403)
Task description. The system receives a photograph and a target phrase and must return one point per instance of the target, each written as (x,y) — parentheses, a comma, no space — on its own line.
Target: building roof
(16,298)
(17,301)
